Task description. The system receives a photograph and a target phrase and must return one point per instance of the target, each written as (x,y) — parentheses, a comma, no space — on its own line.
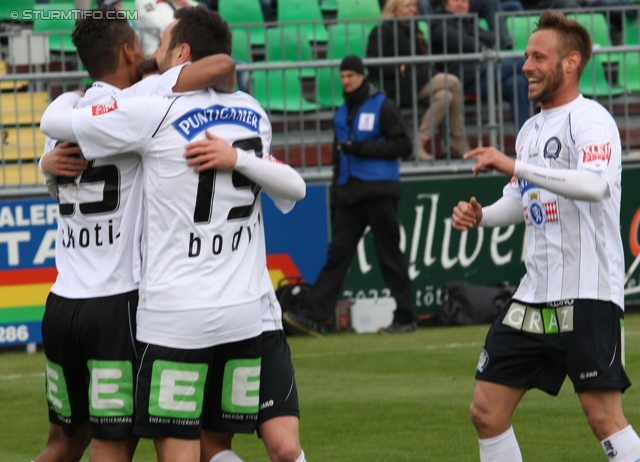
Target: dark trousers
(350,222)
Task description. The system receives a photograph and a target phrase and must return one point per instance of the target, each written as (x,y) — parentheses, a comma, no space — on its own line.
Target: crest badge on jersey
(552,148)
(537,214)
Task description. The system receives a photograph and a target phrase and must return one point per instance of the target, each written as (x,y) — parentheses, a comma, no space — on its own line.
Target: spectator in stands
(458,35)
(424,7)
(369,138)
(153,17)
(487,9)
(393,38)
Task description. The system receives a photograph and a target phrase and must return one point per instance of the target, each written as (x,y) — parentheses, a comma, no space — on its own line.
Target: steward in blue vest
(370,138)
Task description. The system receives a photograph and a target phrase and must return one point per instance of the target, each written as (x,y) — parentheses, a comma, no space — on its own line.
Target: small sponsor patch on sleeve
(270,158)
(597,153)
(100,109)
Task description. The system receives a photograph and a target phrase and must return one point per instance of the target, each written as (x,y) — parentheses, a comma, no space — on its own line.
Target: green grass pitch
(367,398)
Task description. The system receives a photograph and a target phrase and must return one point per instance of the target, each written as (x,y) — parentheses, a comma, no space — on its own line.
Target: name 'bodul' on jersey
(203,230)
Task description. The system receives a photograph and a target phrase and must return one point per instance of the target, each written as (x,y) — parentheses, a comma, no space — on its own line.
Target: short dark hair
(203,30)
(572,36)
(99,38)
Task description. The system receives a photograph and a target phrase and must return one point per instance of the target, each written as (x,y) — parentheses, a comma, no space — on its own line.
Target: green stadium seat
(289,43)
(240,45)
(594,80)
(58,41)
(629,72)
(245,12)
(520,29)
(301,11)
(631,31)
(280,90)
(328,87)
(347,39)
(329,5)
(360,9)
(7,6)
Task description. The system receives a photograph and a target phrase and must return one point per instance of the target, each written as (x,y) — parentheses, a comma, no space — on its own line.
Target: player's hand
(466,215)
(491,158)
(64,160)
(211,153)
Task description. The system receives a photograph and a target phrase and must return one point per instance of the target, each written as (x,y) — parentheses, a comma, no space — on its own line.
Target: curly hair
(99,38)
(203,30)
(572,36)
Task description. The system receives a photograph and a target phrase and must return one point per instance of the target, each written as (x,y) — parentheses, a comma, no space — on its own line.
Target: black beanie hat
(352,63)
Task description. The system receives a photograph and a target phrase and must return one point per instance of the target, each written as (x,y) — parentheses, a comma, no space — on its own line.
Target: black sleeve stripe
(165,116)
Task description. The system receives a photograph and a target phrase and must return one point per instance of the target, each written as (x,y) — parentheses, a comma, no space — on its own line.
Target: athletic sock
(226,456)
(623,446)
(301,458)
(501,448)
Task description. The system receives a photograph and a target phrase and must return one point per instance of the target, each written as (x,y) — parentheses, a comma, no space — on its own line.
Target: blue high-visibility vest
(366,127)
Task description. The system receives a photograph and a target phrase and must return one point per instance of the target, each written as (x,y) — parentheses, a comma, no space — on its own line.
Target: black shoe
(399,328)
(303,325)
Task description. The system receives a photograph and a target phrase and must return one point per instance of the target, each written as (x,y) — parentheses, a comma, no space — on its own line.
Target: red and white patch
(597,152)
(103,108)
(550,211)
(270,158)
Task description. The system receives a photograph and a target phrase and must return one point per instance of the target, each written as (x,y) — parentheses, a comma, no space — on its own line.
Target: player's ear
(127,52)
(572,62)
(185,53)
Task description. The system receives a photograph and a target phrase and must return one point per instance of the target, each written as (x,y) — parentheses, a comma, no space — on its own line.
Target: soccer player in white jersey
(89,320)
(204,262)
(566,316)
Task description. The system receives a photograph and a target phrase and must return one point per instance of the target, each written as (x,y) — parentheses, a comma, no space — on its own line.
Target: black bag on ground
(292,293)
(468,304)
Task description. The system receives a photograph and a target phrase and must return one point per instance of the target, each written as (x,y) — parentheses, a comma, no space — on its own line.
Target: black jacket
(455,35)
(382,43)
(397,144)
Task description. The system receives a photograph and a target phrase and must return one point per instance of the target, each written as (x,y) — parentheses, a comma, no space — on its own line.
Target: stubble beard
(550,90)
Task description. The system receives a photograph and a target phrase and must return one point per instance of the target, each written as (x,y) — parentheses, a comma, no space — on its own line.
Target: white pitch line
(449,346)
(21,376)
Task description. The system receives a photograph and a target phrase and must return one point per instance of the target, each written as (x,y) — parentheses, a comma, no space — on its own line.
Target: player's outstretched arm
(56,120)
(580,185)
(217,71)
(275,177)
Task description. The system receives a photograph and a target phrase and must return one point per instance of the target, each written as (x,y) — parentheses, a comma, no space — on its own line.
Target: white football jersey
(101,211)
(97,245)
(204,232)
(574,248)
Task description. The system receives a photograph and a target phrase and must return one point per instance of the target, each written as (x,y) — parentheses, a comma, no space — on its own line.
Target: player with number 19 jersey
(203,264)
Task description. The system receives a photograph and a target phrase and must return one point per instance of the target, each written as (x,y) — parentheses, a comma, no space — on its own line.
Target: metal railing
(302,122)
